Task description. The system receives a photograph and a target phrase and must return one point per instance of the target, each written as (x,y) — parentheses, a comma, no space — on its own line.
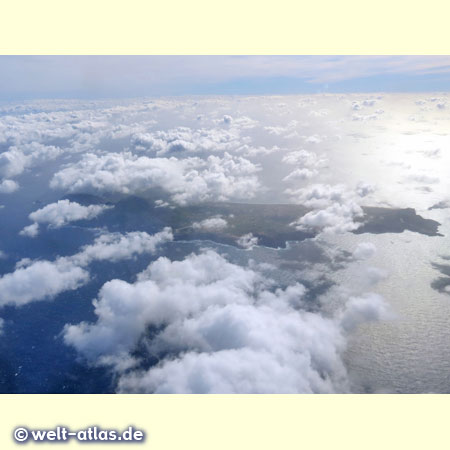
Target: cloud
(280,130)
(364,250)
(368,308)
(188,180)
(216,223)
(248,241)
(359,105)
(8,187)
(335,207)
(186,140)
(30,230)
(336,218)
(116,246)
(423,178)
(300,175)
(61,213)
(366,117)
(216,327)
(313,139)
(15,160)
(364,189)
(12,163)
(304,158)
(40,280)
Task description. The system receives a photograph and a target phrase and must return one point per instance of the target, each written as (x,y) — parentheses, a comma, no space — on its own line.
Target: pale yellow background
(226,422)
(232,27)
(224,26)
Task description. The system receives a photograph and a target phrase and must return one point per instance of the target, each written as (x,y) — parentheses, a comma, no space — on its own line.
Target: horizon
(26,78)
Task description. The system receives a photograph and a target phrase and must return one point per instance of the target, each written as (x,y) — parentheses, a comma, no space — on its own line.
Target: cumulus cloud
(364,189)
(12,163)
(15,160)
(358,105)
(287,131)
(186,140)
(300,175)
(8,186)
(364,250)
(116,246)
(30,230)
(216,327)
(335,207)
(336,218)
(368,308)
(248,241)
(313,139)
(216,223)
(304,158)
(61,213)
(40,280)
(188,180)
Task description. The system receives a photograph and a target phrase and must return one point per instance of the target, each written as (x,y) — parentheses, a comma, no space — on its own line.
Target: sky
(91,77)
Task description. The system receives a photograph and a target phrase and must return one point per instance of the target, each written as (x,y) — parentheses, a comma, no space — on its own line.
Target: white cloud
(423,178)
(186,140)
(115,246)
(304,158)
(8,186)
(30,230)
(216,223)
(313,139)
(61,213)
(364,189)
(368,308)
(364,250)
(358,105)
(12,163)
(248,241)
(15,160)
(335,208)
(40,280)
(300,175)
(364,117)
(336,218)
(287,130)
(187,180)
(219,328)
